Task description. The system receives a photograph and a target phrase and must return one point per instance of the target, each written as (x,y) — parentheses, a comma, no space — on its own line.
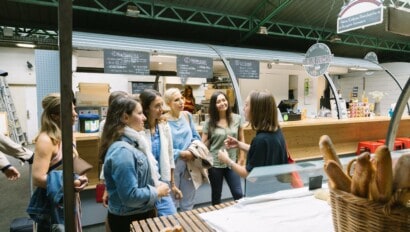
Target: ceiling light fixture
(262,30)
(277,62)
(25,45)
(8,32)
(335,38)
(358,69)
(132,11)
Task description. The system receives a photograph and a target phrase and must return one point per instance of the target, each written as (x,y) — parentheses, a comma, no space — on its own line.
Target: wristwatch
(230,164)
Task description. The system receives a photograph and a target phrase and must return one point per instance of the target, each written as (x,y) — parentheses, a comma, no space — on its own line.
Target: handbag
(81,166)
(99,192)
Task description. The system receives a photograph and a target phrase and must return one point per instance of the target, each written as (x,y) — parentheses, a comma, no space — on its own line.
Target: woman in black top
(269,146)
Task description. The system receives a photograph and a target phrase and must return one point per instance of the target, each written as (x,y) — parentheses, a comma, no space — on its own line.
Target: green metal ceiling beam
(399,4)
(164,12)
(47,39)
(260,10)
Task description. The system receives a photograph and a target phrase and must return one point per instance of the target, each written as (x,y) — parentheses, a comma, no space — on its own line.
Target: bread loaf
(381,186)
(337,178)
(362,175)
(402,173)
(328,151)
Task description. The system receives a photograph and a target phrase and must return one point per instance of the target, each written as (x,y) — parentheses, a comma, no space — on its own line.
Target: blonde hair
(169,95)
(51,110)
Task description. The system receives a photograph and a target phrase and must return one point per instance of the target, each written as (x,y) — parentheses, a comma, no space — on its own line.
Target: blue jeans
(216,176)
(183,181)
(165,206)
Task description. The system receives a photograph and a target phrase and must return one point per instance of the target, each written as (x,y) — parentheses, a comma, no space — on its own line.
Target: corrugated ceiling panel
(100,41)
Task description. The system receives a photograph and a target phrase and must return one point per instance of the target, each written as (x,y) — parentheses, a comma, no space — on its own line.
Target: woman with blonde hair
(46,204)
(183,133)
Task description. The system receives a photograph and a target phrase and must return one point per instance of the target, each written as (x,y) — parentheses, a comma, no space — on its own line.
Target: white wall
(22,84)
(378,81)
(279,79)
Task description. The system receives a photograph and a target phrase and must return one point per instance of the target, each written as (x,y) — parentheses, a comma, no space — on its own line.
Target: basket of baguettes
(372,194)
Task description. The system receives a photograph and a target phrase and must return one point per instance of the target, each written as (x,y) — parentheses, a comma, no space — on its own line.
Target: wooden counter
(188,220)
(303,136)
(87,146)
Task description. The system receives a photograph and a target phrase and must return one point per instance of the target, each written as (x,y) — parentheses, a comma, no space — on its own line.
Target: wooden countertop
(302,136)
(331,121)
(86,136)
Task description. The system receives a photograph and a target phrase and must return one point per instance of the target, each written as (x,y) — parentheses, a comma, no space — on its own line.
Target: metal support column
(65,27)
(334,91)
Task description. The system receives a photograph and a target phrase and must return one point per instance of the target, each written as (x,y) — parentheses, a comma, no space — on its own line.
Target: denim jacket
(128,179)
(47,204)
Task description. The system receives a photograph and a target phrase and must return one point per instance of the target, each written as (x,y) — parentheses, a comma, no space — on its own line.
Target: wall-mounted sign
(189,66)
(245,69)
(138,87)
(317,59)
(126,62)
(359,14)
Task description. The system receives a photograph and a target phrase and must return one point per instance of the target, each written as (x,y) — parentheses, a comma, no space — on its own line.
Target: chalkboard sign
(138,87)
(126,62)
(246,69)
(189,66)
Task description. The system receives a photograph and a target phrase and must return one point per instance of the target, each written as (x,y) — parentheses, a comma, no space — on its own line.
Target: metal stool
(367,146)
(398,145)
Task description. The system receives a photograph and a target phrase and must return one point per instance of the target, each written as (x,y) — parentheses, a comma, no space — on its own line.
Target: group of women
(146,153)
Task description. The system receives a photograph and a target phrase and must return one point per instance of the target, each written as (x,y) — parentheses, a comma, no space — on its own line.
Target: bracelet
(5,168)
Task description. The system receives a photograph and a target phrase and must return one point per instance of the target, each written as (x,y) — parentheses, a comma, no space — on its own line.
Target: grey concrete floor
(15,195)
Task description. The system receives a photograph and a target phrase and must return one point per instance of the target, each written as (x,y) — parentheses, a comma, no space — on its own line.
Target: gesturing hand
(231,142)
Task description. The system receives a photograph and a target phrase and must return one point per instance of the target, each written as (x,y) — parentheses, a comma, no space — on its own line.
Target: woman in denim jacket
(129,170)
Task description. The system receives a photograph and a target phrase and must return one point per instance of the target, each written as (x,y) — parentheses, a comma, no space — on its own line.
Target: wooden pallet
(188,220)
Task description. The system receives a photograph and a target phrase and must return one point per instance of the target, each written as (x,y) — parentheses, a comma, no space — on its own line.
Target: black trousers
(216,177)
(122,223)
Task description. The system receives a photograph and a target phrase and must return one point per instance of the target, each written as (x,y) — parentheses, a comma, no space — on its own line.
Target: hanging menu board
(138,87)
(126,62)
(189,66)
(246,69)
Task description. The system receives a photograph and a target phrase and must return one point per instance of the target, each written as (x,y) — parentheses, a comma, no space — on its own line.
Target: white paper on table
(288,210)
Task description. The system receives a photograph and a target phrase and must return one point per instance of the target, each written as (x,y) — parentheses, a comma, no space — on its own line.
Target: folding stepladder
(7,105)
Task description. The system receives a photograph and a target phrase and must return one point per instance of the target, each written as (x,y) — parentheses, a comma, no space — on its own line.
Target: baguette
(381,185)
(328,151)
(362,175)
(337,178)
(401,179)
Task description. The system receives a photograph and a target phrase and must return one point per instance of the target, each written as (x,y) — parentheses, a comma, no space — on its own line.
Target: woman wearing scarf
(129,168)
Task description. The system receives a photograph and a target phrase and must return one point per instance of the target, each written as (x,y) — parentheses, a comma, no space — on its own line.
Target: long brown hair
(214,113)
(147,97)
(114,127)
(264,114)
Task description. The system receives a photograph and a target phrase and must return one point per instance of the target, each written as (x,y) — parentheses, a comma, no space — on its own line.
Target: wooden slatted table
(188,220)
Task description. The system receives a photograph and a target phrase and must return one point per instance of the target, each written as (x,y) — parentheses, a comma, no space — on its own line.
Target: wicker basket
(352,213)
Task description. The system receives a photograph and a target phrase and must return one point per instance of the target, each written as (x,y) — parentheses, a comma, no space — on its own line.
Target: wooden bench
(188,220)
